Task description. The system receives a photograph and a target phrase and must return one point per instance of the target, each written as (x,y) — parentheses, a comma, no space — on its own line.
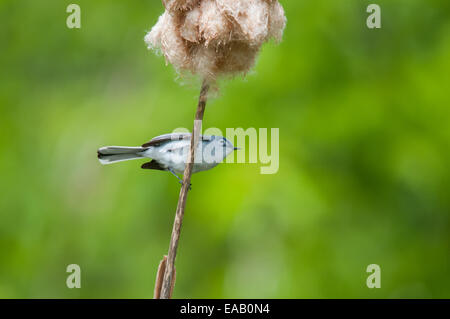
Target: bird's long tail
(115,154)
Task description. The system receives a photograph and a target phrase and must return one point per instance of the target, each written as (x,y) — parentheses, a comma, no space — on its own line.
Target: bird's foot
(190,185)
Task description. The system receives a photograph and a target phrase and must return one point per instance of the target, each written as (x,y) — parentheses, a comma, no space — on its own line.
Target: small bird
(169,153)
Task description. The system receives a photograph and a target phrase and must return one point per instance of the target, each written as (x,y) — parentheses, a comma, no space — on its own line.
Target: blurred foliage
(364,156)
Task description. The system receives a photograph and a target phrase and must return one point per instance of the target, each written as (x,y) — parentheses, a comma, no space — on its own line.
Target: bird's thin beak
(236,148)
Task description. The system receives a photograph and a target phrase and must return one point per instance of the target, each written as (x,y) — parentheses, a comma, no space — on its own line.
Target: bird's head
(218,148)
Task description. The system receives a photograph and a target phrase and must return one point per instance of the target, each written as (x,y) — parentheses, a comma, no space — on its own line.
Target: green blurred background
(364,157)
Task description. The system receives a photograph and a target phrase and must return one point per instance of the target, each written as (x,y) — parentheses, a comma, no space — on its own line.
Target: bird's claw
(190,185)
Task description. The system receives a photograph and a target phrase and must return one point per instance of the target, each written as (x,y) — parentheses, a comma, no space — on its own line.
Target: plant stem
(169,274)
(160,278)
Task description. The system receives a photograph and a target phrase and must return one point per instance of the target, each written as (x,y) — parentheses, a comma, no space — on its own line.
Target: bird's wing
(159,140)
(153,165)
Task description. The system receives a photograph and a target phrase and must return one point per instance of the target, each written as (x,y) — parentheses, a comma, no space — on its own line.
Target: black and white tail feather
(114,154)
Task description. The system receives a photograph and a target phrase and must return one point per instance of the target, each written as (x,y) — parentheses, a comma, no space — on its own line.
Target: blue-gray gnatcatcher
(169,153)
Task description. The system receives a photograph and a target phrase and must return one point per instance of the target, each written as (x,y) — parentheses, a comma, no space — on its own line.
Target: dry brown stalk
(167,265)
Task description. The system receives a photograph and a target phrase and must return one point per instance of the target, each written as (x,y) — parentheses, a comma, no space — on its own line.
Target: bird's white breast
(174,155)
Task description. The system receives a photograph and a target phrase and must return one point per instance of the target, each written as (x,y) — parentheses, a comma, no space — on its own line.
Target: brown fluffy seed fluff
(215,37)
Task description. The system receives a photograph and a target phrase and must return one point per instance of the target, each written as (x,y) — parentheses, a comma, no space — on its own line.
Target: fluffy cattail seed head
(215,37)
